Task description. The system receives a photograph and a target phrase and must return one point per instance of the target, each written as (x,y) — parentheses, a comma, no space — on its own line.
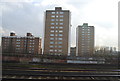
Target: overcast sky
(24,16)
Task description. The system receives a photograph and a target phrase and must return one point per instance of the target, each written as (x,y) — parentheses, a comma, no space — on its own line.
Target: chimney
(29,34)
(12,34)
(58,8)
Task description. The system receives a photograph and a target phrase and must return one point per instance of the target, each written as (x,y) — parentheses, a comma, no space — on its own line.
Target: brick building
(21,45)
(85,40)
(57,32)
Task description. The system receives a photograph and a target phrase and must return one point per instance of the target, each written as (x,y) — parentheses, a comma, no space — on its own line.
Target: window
(51,34)
(83,44)
(59,46)
(56,23)
(51,38)
(82,26)
(57,12)
(51,46)
(60,50)
(60,35)
(52,12)
(52,19)
(52,15)
(55,46)
(83,34)
(61,19)
(88,34)
(17,42)
(61,27)
(51,42)
(55,50)
(52,31)
(61,23)
(60,31)
(61,15)
(29,51)
(56,19)
(83,37)
(55,42)
(17,45)
(59,38)
(17,48)
(51,50)
(56,15)
(52,23)
(31,46)
(52,27)
(31,43)
(61,12)
(31,40)
(56,27)
(56,34)
(59,42)
(56,31)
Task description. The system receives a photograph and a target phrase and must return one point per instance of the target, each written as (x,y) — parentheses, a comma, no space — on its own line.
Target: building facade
(72,51)
(85,40)
(21,45)
(57,30)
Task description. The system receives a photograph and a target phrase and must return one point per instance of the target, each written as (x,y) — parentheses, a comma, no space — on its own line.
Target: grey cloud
(23,18)
(106,25)
(79,3)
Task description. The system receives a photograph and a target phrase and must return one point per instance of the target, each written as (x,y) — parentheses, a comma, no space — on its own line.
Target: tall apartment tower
(85,40)
(21,44)
(57,29)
